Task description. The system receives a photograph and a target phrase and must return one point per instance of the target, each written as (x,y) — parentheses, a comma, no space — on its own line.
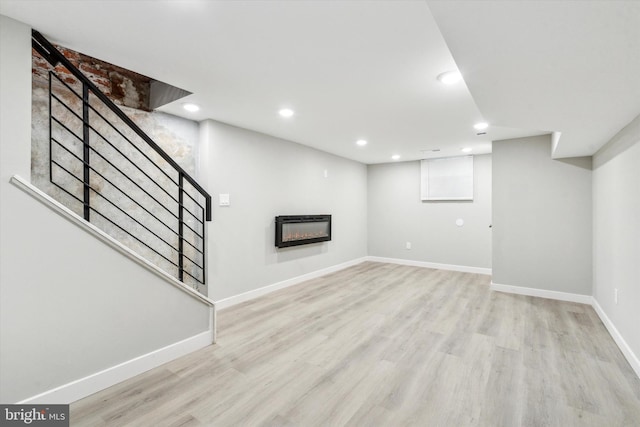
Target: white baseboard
(450,267)
(86,386)
(583,299)
(246,296)
(617,337)
(542,293)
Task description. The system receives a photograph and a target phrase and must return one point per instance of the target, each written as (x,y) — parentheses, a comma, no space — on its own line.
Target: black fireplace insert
(294,230)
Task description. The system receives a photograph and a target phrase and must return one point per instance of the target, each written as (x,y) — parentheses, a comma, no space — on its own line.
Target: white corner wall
(70,306)
(541,220)
(265,177)
(397,216)
(616,237)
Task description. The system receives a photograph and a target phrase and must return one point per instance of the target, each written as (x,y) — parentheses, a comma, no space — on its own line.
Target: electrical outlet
(615,296)
(408,245)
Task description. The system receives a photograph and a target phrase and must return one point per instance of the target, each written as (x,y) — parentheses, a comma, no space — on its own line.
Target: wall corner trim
(93,383)
(541,293)
(631,357)
(425,264)
(249,295)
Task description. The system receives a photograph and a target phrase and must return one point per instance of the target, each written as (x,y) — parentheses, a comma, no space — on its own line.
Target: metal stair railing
(120,179)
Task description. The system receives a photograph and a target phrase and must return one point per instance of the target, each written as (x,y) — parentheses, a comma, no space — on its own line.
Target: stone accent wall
(123,87)
(176,136)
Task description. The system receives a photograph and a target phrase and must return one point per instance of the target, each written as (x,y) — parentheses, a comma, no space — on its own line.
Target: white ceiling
(367,69)
(567,66)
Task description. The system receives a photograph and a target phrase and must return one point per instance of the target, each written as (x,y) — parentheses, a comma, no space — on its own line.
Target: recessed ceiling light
(466,149)
(361,142)
(395,157)
(192,108)
(450,77)
(286,112)
(481,126)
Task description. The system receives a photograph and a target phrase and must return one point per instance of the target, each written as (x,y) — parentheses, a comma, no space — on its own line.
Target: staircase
(105,168)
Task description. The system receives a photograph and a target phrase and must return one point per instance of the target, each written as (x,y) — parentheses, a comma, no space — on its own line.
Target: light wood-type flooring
(387,345)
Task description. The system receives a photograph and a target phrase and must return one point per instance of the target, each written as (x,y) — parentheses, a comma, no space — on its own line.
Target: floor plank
(384,345)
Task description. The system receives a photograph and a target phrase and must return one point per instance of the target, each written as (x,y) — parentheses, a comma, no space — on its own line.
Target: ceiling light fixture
(450,77)
(361,142)
(466,149)
(395,157)
(192,108)
(481,126)
(286,112)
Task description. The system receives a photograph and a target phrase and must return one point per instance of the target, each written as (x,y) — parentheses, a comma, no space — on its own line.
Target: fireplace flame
(303,236)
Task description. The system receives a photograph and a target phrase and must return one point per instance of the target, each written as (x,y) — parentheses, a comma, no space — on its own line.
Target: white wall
(70,306)
(397,215)
(541,217)
(616,232)
(266,177)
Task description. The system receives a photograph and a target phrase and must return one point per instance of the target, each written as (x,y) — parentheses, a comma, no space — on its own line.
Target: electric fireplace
(294,230)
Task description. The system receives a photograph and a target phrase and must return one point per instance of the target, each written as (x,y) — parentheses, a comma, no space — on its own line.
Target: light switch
(224,200)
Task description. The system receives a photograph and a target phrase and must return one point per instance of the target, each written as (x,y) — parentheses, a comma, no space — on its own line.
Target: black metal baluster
(204,244)
(50,132)
(86,151)
(129,171)
(180,226)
